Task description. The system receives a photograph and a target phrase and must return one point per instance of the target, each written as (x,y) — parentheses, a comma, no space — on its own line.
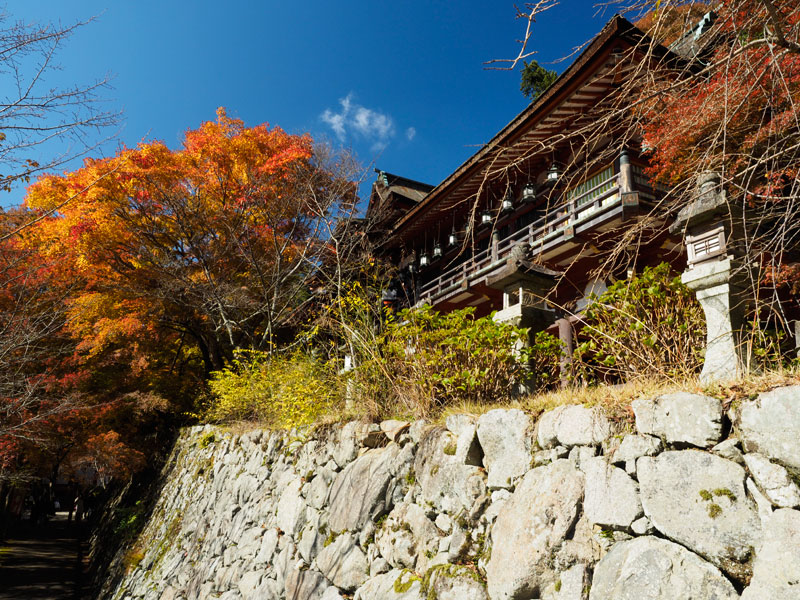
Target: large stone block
(774,480)
(291,508)
(407,537)
(505,438)
(681,418)
(776,572)
(343,563)
(530,528)
(654,569)
(612,497)
(446,482)
(698,500)
(305,585)
(451,582)
(770,425)
(572,584)
(394,585)
(572,425)
(633,446)
(363,490)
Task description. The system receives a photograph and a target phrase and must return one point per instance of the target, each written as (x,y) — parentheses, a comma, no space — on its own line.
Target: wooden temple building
(523,225)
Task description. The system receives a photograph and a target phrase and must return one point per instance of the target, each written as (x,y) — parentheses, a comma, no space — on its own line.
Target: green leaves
(648,325)
(455,358)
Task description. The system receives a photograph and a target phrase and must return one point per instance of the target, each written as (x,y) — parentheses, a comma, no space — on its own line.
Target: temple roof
(585,84)
(391,193)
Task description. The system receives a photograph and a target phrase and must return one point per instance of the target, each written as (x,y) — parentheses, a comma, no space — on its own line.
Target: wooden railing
(538,235)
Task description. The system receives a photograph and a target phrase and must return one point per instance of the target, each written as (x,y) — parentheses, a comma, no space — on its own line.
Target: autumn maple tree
(735,110)
(129,280)
(51,418)
(31,317)
(195,251)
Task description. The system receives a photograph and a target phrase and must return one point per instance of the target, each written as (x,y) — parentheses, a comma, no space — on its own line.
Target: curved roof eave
(617,27)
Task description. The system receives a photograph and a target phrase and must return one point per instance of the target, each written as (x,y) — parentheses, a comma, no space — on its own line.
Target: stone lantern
(714,273)
(525,287)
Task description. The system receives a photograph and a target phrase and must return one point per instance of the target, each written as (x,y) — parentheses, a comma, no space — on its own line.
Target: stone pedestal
(720,297)
(534,319)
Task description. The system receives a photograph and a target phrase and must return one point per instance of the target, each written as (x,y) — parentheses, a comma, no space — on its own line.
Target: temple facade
(531,224)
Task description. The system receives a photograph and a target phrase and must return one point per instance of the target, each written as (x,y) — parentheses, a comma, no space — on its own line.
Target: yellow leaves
(283,390)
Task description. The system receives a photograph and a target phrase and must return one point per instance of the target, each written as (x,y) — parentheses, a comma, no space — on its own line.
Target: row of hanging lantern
(507,205)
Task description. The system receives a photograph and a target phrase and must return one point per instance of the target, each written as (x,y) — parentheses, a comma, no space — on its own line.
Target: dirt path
(42,563)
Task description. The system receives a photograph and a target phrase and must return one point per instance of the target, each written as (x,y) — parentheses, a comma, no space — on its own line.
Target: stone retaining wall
(496,507)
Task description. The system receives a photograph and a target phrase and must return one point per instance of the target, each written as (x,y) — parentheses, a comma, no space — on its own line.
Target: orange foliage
(736,112)
(746,100)
(196,241)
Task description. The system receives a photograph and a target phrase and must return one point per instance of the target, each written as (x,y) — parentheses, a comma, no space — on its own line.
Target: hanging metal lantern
(452,239)
(529,193)
(553,173)
(508,203)
(423,260)
(437,251)
(486,217)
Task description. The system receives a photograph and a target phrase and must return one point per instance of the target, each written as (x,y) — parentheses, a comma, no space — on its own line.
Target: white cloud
(411,133)
(360,122)
(336,122)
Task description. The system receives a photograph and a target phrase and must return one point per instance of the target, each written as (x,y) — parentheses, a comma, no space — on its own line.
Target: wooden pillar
(625,173)
(495,240)
(565,334)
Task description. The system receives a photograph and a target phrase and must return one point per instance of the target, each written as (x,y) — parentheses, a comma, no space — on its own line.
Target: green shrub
(425,360)
(650,325)
(544,358)
(277,389)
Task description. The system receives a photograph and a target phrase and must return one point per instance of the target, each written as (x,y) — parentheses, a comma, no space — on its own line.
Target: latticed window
(595,186)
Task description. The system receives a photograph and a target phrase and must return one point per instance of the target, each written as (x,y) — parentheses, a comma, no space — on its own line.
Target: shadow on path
(42,563)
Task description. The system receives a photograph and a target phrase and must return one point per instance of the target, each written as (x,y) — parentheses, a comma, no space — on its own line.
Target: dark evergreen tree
(536,79)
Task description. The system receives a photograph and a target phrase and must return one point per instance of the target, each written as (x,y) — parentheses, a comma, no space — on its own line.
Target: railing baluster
(543,226)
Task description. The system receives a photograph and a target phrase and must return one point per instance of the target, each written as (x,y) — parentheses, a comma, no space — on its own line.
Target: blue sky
(401,83)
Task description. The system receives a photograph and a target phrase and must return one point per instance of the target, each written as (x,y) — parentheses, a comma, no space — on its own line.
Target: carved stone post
(714,274)
(721,299)
(567,337)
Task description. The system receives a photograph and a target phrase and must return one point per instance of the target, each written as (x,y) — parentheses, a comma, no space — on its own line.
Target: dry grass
(616,400)
(749,387)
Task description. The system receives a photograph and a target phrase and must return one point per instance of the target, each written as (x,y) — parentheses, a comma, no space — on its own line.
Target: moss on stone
(447,570)
(330,539)
(411,477)
(206,439)
(725,492)
(400,586)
